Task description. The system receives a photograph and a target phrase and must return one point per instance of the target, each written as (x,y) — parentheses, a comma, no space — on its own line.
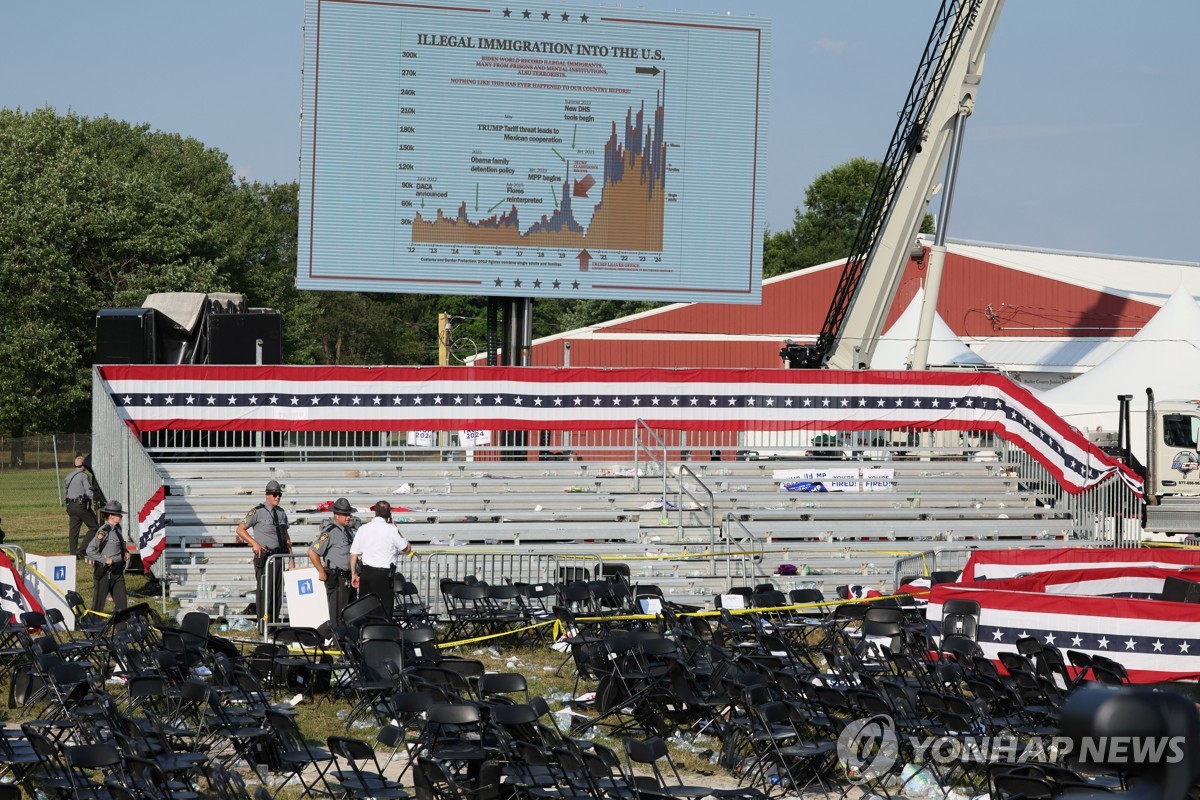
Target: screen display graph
(565,151)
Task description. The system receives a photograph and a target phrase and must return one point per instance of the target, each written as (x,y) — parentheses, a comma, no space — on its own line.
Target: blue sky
(1085,135)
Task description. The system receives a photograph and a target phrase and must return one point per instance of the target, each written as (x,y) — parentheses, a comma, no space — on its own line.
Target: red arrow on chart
(584,259)
(581,187)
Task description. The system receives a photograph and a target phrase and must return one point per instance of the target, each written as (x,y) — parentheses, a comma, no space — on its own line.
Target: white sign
(49,578)
(879,479)
(818,480)
(474,438)
(305,593)
(420,438)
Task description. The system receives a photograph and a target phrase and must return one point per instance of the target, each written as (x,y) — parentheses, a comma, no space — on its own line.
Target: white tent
(1164,356)
(895,348)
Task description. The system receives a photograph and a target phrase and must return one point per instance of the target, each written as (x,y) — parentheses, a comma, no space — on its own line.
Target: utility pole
(443,336)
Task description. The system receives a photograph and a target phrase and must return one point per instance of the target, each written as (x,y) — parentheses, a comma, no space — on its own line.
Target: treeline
(98,213)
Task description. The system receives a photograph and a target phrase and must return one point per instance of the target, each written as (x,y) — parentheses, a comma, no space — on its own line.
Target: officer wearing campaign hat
(107,553)
(330,554)
(265,529)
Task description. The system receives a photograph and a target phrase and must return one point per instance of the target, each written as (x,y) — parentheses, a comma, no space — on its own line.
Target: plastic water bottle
(919,785)
(917,499)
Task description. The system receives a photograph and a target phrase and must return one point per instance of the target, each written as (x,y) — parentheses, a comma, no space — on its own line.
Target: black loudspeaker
(126,336)
(1180,590)
(232,337)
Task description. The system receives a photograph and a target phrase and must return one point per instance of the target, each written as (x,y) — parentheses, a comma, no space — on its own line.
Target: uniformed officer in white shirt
(107,553)
(377,548)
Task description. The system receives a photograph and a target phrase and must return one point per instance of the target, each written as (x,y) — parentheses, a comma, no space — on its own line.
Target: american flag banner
(15,597)
(184,397)
(990,564)
(1101,582)
(1154,640)
(152,528)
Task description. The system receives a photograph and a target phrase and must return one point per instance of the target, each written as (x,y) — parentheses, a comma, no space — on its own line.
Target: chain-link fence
(43,451)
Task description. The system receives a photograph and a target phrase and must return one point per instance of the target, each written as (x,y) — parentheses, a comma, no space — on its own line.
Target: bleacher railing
(123,468)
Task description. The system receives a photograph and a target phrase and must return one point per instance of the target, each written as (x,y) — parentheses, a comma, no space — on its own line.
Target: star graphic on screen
(565,16)
(537,283)
(545,15)
(507,13)
(499,282)
(556,284)
(525,13)
(583,17)
(517,283)
(574,284)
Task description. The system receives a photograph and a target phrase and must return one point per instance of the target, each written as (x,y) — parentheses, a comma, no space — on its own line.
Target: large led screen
(532,150)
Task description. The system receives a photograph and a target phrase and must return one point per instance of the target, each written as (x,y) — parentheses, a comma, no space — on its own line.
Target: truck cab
(1176,449)
(1173,474)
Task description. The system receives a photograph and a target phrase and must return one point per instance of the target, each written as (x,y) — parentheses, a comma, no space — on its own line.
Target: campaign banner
(879,479)
(474,438)
(818,480)
(421,438)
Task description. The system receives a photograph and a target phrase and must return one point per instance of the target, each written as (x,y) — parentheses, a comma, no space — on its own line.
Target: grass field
(34,519)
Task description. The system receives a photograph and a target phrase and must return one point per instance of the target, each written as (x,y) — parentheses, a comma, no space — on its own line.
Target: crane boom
(945,87)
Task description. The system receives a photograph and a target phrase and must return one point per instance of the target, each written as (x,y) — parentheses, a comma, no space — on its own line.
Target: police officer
(79,497)
(373,555)
(107,553)
(330,554)
(265,529)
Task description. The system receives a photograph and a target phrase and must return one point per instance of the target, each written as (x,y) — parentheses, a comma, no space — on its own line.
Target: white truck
(1172,467)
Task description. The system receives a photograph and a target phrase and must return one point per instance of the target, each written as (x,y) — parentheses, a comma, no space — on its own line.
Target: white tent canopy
(1164,356)
(895,348)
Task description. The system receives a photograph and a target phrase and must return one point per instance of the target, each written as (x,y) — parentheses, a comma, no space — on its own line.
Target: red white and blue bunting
(153,398)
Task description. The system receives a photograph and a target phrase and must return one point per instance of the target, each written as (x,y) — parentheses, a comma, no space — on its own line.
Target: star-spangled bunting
(152,529)
(1072,602)
(15,598)
(504,398)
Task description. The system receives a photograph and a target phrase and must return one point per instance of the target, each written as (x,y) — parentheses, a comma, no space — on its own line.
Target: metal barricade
(494,566)
(916,565)
(288,561)
(16,554)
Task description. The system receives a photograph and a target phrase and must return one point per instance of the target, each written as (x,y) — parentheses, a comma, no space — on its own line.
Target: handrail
(638,445)
(712,504)
(755,554)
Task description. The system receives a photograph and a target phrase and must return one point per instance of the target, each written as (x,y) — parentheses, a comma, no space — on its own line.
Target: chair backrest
(368,605)
(961,606)
(770,598)
(879,614)
(196,623)
(806,596)
(380,630)
(376,655)
(502,683)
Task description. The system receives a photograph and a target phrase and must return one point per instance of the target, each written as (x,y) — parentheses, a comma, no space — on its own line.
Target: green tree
(825,228)
(99,213)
